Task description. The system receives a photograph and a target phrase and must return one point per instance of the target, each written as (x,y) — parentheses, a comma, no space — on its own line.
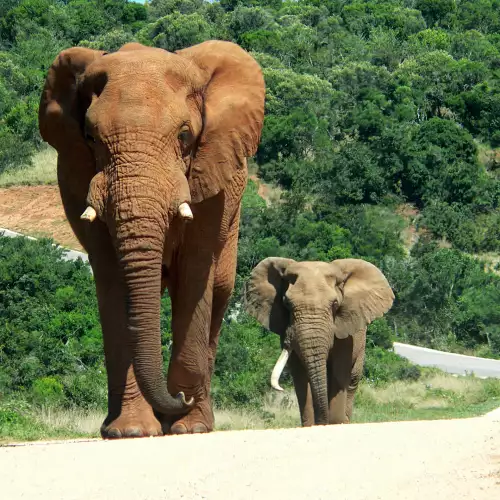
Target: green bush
(385,366)
(379,334)
(86,390)
(47,391)
(245,359)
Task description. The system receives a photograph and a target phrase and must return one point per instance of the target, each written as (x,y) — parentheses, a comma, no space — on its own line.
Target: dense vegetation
(382,119)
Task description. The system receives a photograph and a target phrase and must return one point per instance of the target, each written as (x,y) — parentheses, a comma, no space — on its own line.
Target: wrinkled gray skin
(321,311)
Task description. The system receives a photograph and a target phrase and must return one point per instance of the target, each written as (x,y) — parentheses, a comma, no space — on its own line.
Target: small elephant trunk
(318,379)
(313,349)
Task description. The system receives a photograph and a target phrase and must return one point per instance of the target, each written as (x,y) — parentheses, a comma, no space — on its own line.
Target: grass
(435,396)
(18,422)
(43,171)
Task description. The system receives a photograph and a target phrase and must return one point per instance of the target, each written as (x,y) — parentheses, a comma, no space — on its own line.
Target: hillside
(381,141)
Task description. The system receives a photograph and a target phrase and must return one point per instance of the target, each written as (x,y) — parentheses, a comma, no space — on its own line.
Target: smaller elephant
(320,311)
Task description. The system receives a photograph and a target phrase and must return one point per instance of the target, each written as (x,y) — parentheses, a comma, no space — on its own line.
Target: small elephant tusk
(278,369)
(185,211)
(89,215)
(182,397)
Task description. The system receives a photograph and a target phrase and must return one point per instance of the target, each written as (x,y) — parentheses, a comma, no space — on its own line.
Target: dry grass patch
(432,397)
(280,410)
(76,421)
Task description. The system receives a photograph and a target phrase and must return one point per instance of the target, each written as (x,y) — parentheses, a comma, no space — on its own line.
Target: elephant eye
(87,133)
(89,138)
(186,139)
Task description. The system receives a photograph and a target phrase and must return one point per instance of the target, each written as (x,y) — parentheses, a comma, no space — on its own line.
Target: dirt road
(429,460)
(36,211)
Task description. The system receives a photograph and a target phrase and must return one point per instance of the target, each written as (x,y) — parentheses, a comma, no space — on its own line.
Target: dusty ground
(36,211)
(431,460)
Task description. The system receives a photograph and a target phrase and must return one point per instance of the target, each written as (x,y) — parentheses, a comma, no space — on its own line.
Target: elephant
(152,164)
(321,311)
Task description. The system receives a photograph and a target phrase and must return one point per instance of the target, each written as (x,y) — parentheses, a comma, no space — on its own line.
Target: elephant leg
(129,415)
(188,368)
(192,292)
(205,277)
(339,377)
(356,374)
(302,390)
(224,278)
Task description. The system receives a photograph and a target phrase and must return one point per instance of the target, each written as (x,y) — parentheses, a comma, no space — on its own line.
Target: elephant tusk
(182,397)
(278,369)
(185,211)
(89,215)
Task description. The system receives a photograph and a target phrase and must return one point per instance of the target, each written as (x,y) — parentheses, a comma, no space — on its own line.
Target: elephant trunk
(138,216)
(316,370)
(313,348)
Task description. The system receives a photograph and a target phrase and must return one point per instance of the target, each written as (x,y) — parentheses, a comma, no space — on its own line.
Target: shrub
(47,391)
(386,366)
(379,334)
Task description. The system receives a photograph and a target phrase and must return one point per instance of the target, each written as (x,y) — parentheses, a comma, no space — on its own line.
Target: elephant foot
(132,422)
(199,420)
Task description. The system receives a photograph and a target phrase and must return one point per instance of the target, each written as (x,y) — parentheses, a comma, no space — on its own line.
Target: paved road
(448,362)
(440,460)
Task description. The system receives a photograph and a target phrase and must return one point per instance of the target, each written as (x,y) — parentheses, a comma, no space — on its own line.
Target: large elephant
(321,311)
(152,150)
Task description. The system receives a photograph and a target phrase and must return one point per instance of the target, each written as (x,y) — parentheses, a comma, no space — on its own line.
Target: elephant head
(157,132)
(309,304)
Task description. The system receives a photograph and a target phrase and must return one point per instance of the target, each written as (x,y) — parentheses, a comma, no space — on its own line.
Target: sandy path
(36,211)
(431,460)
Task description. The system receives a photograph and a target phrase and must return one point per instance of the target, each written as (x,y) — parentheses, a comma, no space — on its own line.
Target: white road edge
(458,364)
(68,253)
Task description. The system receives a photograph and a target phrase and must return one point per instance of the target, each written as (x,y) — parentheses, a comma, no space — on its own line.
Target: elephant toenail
(178,429)
(199,429)
(113,433)
(133,432)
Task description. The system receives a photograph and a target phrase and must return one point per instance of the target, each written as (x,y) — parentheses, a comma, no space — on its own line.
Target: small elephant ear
(263,294)
(60,115)
(367,296)
(233,110)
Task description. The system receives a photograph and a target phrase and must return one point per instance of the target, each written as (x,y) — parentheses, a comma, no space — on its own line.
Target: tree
(437,12)
(176,31)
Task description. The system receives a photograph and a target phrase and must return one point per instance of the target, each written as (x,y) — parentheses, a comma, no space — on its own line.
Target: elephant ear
(367,296)
(233,111)
(263,294)
(60,114)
